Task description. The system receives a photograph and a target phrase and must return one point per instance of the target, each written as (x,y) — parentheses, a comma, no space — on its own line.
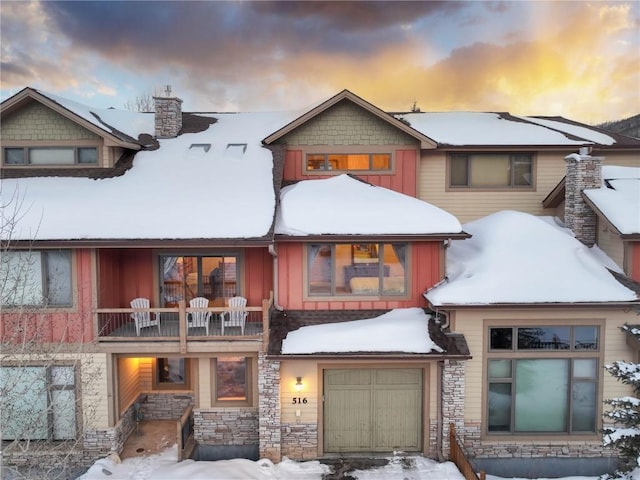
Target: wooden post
(182,325)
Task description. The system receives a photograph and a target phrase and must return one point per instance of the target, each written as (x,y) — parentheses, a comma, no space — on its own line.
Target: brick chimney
(168,115)
(583,172)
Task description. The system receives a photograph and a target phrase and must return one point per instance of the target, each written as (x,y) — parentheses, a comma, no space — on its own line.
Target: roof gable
(346,95)
(28,95)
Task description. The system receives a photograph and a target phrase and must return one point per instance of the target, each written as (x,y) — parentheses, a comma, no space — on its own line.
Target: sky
(578,59)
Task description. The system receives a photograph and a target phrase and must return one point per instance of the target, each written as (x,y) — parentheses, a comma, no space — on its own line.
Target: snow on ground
(164,466)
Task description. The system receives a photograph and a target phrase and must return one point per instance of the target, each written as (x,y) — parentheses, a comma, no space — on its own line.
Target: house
(541,315)
(331,222)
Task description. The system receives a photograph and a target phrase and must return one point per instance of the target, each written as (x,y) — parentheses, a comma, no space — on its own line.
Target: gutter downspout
(274,254)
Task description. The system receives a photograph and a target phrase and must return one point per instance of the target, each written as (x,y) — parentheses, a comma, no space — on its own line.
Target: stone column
(583,172)
(269,408)
(452,400)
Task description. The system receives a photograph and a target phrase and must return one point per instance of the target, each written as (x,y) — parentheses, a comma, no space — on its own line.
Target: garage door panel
(348,378)
(348,428)
(372,410)
(396,376)
(397,416)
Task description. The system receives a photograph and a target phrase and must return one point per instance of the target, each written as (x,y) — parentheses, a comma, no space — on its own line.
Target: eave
(528,306)
(357,238)
(141,243)
(421,357)
(425,142)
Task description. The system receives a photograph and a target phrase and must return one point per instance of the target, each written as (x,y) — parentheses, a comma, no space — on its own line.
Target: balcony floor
(169,328)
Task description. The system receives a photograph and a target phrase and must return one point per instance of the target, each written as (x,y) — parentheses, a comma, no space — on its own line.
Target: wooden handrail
(186,440)
(459,458)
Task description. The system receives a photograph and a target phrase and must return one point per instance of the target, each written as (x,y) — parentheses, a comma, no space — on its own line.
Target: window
(232,380)
(348,161)
(38,403)
(375,269)
(50,155)
(171,373)
(38,278)
(554,392)
(491,170)
(212,277)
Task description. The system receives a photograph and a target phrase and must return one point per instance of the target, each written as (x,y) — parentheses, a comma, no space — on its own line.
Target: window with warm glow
(348,161)
(376,269)
(232,379)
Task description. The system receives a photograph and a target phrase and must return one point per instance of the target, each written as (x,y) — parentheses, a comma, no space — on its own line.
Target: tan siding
(204,382)
(347,124)
(128,383)
(37,122)
(470,205)
(610,243)
(471,323)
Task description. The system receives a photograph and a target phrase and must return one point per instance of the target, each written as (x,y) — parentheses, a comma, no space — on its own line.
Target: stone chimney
(583,172)
(168,117)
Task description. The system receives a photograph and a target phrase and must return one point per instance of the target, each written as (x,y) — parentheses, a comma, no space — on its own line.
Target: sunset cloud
(576,59)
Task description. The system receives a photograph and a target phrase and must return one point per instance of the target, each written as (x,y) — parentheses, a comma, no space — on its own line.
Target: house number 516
(297,400)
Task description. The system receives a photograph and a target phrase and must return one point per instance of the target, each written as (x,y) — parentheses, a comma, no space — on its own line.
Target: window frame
(379,260)
(158,385)
(451,156)
(570,355)
(45,280)
(250,378)
(328,168)
(199,256)
(26,157)
(50,387)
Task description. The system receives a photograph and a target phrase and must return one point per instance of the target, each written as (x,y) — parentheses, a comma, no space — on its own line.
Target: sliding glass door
(187,277)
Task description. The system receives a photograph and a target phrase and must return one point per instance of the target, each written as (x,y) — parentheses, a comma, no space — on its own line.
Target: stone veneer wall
(452,400)
(269,408)
(583,171)
(165,405)
(505,448)
(94,444)
(168,116)
(300,440)
(226,426)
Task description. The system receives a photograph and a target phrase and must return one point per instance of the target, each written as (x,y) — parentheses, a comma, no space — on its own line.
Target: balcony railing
(117,324)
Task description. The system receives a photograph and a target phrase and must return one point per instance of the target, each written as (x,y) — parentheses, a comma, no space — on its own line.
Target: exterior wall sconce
(299,384)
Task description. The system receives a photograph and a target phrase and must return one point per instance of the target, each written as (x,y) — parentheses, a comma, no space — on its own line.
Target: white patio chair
(236,316)
(143,318)
(199,319)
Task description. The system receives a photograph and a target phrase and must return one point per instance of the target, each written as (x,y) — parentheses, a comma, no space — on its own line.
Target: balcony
(118,325)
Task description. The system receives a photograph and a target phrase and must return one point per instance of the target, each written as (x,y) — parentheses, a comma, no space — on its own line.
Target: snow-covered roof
(404,330)
(343,205)
(490,129)
(174,192)
(619,198)
(130,123)
(516,257)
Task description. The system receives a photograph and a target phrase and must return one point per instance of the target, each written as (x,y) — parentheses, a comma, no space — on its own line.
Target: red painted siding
(425,271)
(258,269)
(64,325)
(404,179)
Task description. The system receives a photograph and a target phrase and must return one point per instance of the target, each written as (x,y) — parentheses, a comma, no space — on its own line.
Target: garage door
(372,410)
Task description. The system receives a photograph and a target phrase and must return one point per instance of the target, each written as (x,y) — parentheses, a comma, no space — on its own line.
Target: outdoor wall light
(299,384)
